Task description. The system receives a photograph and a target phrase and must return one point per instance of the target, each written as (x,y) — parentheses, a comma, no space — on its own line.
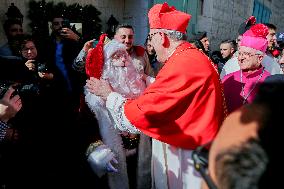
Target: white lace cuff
(115,105)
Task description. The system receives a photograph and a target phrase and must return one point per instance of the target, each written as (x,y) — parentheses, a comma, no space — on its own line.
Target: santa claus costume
(124,79)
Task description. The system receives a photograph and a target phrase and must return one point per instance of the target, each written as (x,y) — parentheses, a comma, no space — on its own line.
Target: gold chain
(92,147)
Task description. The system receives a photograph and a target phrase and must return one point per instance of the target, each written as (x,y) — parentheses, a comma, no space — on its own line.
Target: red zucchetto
(162,16)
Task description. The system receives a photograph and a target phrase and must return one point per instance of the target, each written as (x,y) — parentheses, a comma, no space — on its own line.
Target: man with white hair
(268,62)
(181,110)
(240,87)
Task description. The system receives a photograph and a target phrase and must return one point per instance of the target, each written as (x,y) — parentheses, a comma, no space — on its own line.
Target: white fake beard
(124,80)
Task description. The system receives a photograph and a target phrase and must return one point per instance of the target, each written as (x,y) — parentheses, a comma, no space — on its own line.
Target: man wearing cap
(240,87)
(232,65)
(181,110)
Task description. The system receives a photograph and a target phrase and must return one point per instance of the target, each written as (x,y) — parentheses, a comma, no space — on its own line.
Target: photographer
(9,106)
(29,53)
(61,49)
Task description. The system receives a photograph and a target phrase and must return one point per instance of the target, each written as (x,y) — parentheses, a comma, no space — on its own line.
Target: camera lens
(41,68)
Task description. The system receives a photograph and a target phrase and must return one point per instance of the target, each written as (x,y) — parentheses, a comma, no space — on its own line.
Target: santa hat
(111,47)
(95,58)
(247,25)
(255,37)
(162,16)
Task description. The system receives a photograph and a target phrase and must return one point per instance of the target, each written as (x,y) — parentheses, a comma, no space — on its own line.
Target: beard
(124,80)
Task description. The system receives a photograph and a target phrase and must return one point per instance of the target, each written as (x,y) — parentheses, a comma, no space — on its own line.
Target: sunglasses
(200,159)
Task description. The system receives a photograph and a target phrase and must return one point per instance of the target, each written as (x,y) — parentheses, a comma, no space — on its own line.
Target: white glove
(101,160)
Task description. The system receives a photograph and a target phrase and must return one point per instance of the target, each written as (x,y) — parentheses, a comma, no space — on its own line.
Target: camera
(41,67)
(21,89)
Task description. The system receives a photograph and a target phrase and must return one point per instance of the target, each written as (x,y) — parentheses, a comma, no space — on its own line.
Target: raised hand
(88,45)
(67,33)
(98,87)
(30,65)
(9,105)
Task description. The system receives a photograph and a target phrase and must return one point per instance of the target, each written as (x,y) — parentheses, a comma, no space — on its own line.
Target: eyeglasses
(246,54)
(200,159)
(25,50)
(150,36)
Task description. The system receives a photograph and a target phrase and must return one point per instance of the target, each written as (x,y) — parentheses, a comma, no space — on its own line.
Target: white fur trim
(112,139)
(115,105)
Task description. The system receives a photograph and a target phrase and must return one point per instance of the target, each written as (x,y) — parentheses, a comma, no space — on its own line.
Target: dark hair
(216,57)
(241,167)
(200,35)
(270,26)
(25,38)
(231,42)
(255,164)
(245,26)
(8,23)
(198,44)
(124,26)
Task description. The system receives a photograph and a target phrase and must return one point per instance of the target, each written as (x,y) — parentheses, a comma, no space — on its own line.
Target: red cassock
(184,106)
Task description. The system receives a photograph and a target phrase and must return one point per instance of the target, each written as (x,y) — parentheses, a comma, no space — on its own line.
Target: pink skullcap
(255,37)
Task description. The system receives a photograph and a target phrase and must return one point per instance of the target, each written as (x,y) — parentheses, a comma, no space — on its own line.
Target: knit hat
(162,16)
(255,37)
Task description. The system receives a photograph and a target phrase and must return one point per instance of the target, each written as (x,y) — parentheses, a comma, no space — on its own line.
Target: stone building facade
(220,18)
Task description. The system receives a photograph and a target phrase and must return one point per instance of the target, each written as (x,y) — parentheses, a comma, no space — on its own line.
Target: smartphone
(66,23)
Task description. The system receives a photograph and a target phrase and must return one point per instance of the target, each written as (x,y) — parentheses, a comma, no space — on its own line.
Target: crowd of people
(106,113)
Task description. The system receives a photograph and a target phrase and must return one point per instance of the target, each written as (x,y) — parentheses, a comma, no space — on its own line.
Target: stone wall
(277,16)
(221,18)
